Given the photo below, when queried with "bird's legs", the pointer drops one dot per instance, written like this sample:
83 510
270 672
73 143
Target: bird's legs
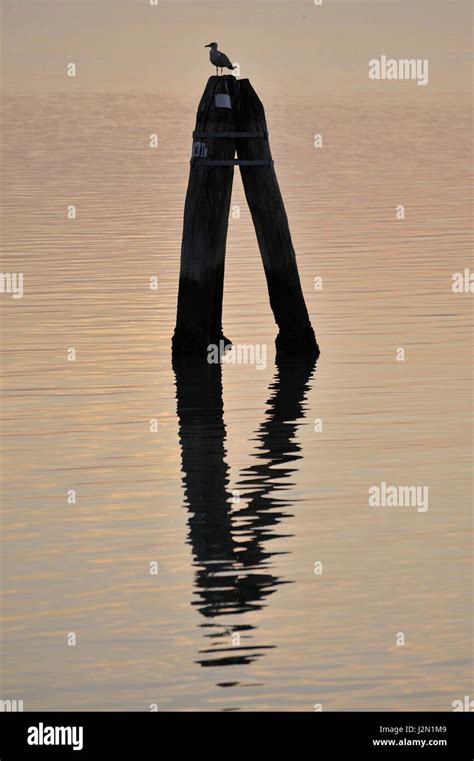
217 71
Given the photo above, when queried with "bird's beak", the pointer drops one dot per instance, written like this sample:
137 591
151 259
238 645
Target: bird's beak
207 46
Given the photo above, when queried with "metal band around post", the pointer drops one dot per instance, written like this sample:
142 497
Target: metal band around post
231 134
231 162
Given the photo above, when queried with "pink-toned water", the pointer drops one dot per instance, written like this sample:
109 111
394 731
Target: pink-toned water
230 567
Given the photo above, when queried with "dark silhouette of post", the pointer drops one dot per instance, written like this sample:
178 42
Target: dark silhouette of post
206 218
296 336
231 118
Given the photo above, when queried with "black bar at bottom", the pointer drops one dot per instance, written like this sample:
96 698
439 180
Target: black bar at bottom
149 735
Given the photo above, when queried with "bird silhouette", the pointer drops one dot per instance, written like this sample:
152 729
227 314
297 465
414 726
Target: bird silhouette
218 59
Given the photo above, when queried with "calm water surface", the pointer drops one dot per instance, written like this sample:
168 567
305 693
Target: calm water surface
237 494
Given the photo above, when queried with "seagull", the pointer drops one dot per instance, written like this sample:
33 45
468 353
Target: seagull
218 59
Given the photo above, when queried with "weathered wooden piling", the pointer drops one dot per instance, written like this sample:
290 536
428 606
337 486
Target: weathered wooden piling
206 217
296 336
231 118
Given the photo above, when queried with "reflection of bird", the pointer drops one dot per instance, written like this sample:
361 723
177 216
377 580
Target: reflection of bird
218 59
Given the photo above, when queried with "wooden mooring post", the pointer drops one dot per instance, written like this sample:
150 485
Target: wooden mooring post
231 119
206 218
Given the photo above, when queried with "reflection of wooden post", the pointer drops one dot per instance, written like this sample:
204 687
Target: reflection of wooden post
206 218
296 336
205 478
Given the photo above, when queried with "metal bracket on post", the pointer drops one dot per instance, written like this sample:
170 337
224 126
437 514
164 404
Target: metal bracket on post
201 160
